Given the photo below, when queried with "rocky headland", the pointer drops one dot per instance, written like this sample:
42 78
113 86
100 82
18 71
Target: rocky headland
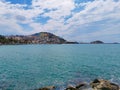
97 84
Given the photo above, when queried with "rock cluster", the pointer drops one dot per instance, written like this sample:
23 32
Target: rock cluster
97 84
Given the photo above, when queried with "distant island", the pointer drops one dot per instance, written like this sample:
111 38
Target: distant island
37 38
97 42
40 38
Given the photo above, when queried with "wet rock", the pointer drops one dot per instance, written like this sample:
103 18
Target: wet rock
71 88
81 86
47 88
96 81
100 84
115 86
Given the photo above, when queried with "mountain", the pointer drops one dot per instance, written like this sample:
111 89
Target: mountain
37 38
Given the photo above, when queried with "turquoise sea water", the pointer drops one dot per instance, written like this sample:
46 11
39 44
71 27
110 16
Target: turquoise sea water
25 67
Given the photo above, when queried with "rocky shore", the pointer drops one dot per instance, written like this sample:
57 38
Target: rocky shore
97 84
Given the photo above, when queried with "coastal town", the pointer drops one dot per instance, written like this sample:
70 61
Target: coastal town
38 38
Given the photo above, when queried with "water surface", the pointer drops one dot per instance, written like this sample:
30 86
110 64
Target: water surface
24 67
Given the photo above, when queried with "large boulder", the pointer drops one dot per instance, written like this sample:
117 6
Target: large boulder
100 84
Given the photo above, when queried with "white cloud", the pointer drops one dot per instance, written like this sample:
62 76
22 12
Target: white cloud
19 14
62 8
95 11
57 10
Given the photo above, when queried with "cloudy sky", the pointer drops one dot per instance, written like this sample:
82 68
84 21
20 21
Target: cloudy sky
78 20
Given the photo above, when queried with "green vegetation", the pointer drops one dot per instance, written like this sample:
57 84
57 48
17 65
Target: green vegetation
4 40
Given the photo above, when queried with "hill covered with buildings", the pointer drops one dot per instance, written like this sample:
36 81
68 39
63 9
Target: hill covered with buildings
37 38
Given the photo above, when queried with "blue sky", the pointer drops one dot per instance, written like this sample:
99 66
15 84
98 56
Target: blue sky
74 20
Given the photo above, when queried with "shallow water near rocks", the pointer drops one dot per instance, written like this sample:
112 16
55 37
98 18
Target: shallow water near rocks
25 67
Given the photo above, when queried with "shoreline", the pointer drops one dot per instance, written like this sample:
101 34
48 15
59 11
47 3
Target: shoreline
59 44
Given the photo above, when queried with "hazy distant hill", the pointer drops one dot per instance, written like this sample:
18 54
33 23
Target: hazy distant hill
97 42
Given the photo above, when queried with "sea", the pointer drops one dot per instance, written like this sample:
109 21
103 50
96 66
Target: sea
28 67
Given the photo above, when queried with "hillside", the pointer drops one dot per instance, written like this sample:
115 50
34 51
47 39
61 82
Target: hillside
37 38
49 38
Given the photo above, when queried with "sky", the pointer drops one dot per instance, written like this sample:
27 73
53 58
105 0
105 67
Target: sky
74 20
